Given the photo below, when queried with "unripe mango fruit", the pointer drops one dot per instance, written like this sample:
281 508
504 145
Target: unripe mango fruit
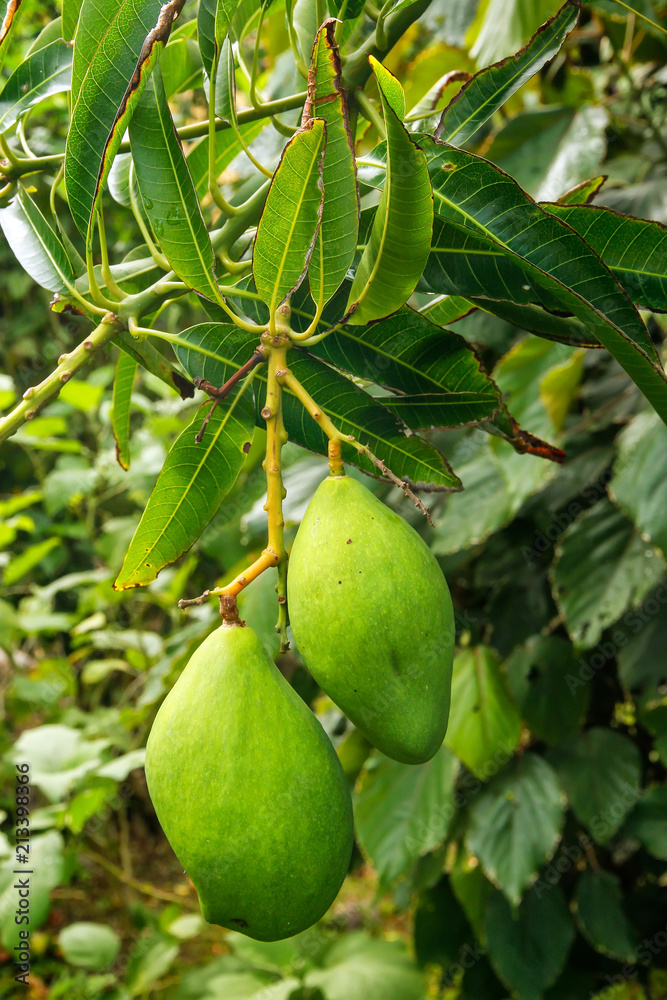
249 791
372 617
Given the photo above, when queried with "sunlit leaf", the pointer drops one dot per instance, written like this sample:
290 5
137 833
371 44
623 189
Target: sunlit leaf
45 72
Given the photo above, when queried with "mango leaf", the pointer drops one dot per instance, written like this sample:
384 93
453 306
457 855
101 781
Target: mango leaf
225 84
71 10
291 217
445 309
501 26
193 482
583 193
213 24
35 245
515 823
47 71
440 380
484 724
115 50
167 191
402 811
126 369
553 257
225 349
400 240
602 568
529 948
600 917
337 238
180 66
600 771
9 19
488 90
634 250
639 484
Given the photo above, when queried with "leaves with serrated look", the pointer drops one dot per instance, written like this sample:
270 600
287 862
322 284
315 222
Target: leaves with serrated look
400 239
291 217
168 193
115 50
191 486
337 238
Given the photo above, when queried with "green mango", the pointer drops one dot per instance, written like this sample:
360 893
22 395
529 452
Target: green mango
372 617
249 791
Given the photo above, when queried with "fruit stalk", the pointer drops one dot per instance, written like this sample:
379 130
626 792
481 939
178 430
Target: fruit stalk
336 437
276 436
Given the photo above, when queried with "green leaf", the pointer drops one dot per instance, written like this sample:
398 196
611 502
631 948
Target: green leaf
440 926
193 482
484 725
36 246
168 193
352 410
213 24
337 237
640 646
9 19
400 240
647 822
599 913
180 66
149 358
403 811
445 309
290 221
635 250
529 948
537 675
89 945
71 10
358 967
47 71
600 771
583 193
114 53
639 484
488 90
472 889
515 823
602 568
25 561
440 379
502 26
552 256
126 369
59 757
48 865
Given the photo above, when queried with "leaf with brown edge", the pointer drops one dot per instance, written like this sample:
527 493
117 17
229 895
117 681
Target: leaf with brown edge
8 20
114 54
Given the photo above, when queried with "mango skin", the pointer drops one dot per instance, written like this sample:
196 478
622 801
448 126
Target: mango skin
249 791
372 617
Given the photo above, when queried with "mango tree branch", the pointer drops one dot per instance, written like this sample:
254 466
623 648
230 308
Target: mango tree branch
357 68
37 396
217 394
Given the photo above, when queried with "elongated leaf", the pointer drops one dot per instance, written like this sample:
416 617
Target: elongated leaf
446 309
634 250
436 371
227 148
225 84
213 24
115 50
553 257
180 65
398 248
515 823
168 193
291 218
352 410
47 71
126 369
337 237
583 193
35 245
488 90
9 18
193 482
71 10
143 352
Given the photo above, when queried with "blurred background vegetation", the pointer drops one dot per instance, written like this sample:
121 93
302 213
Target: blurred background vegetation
528 858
